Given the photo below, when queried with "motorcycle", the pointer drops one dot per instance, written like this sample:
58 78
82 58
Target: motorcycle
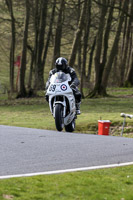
62 101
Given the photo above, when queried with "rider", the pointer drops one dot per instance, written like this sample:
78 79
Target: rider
61 64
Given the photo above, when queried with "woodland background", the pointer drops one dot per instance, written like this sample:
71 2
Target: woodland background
95 36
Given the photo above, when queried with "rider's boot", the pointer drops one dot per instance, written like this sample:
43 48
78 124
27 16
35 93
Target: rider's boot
78 108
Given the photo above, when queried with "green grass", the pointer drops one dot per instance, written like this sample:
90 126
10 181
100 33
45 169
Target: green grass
35 113
110 184
32 116
120 91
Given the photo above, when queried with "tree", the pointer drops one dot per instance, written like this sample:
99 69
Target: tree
49 33
85 42
13 40
113 52
91 60
125 49
40 33
99 65
99 32
77 37
129 81
22 89
129 78
58 33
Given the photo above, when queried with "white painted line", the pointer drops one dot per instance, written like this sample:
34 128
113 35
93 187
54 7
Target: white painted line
66 170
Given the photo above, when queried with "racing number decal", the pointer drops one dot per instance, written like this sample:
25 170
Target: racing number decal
52 88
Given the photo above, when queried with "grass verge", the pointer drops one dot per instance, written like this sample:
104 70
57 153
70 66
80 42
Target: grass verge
111 184
35 113
104 184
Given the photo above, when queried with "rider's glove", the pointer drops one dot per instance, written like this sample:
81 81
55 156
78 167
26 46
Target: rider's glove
73 87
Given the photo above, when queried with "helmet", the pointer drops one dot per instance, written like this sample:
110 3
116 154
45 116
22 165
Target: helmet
61 64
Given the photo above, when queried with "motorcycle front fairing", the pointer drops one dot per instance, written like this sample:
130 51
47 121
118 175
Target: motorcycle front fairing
59 92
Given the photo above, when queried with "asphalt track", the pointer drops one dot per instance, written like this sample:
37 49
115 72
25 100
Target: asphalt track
34 151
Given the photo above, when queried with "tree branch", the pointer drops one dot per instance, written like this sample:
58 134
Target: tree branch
115 7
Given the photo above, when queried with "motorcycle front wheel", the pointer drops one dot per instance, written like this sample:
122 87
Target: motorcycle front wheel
59 117
70 127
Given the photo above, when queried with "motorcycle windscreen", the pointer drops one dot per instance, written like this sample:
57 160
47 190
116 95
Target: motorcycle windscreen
59 77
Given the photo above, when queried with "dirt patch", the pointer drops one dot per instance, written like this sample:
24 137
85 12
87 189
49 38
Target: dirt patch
6 196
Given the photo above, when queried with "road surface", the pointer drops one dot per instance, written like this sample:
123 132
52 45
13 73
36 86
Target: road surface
26 150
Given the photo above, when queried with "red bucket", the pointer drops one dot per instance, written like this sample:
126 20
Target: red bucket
103 127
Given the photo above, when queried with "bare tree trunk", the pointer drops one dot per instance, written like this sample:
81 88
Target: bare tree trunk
58 34
77 36
129 81
99 66
90 59
79 57
49 33
31 69
36 44
22 90
86 34
85 40
31 72
129 56
113 52
12 49
126 47
80 45
39 68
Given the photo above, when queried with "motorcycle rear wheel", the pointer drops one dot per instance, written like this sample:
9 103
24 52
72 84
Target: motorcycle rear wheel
59 117
70 127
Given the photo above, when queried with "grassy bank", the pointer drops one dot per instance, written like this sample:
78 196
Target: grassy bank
104 184
35 113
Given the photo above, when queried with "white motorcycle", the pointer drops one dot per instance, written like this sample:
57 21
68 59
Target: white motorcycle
62 101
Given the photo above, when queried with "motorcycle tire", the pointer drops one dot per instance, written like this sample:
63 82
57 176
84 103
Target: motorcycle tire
58 117
70 127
